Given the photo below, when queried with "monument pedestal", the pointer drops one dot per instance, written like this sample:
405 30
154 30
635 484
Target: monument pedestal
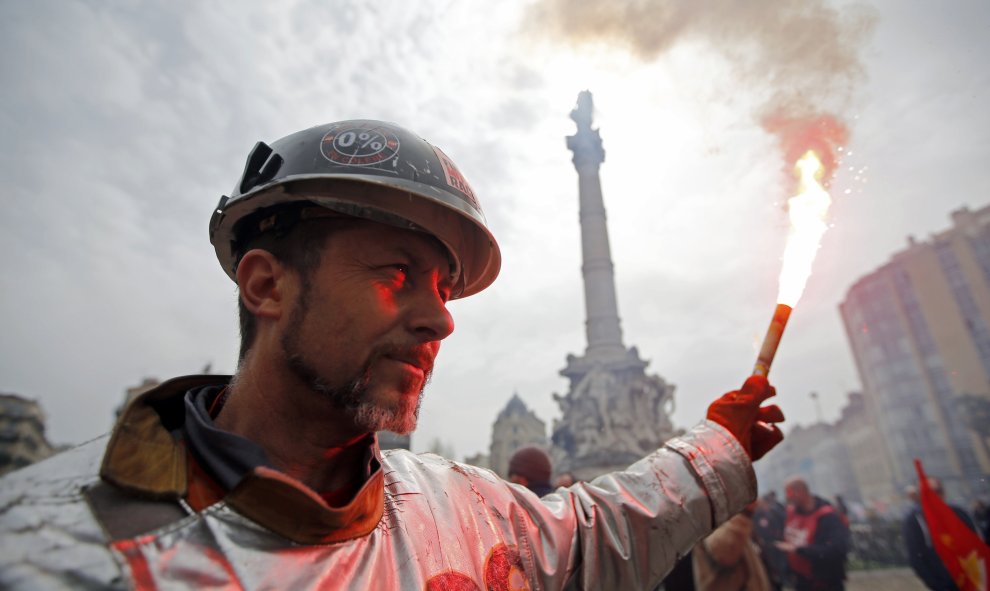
613 415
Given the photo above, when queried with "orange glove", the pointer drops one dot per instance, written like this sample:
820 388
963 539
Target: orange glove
740 412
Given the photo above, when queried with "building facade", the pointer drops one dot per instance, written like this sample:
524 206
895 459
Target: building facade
516 426
846 458
868 457
919 329
22 433
816 453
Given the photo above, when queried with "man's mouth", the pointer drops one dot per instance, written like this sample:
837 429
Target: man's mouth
418 359
408 364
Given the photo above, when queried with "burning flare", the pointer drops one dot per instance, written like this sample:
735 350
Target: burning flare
807 211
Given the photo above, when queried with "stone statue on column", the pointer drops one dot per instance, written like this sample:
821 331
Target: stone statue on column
613 413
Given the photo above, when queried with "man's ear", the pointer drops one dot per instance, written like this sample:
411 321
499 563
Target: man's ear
261 280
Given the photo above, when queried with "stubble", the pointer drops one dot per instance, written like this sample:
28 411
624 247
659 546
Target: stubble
351 397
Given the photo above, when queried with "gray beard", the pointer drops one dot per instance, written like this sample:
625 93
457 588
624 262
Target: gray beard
352 396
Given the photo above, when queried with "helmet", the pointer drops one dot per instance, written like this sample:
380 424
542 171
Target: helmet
361 168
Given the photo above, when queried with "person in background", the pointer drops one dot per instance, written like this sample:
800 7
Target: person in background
922 557
981 518
566 479
769 519
728 559
681 577
530 466
816 540
843 510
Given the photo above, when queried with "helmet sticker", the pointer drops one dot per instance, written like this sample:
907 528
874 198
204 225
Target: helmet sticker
454 177
359 144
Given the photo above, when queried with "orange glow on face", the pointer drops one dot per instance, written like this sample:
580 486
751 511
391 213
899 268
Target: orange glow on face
807 212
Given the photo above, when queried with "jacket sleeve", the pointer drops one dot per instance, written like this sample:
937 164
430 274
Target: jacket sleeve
626 530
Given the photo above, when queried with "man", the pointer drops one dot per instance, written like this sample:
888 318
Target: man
530 466
769 521
922 556
346 242
815 539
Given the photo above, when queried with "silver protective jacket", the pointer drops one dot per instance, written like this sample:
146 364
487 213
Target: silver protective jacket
420 522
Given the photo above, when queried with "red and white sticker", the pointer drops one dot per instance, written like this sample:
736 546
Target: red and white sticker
454 177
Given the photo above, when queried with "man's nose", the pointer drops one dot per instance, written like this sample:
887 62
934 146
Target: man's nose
429 317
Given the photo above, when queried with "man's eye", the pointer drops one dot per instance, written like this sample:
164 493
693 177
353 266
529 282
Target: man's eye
399 271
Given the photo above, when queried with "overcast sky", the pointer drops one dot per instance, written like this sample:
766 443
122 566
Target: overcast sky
123 122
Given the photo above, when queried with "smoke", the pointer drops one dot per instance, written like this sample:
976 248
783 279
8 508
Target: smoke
801 55
796 135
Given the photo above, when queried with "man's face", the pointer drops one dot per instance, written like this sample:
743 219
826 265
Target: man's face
797 495
367 324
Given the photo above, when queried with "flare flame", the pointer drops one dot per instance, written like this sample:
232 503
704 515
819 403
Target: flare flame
807 211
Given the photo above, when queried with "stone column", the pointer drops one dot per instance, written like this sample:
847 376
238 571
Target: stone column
602 324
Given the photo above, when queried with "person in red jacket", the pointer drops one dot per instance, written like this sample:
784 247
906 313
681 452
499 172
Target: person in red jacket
816 540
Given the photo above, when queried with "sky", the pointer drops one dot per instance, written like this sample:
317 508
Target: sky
125 121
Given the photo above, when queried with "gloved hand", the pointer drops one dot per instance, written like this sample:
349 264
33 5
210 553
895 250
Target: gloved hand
740 412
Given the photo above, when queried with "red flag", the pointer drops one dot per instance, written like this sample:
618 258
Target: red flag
964 555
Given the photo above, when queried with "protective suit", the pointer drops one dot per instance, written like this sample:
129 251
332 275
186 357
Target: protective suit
115 513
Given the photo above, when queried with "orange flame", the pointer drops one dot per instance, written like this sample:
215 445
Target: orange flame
807 212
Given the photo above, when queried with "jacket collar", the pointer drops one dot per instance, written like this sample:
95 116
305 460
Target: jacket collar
143 457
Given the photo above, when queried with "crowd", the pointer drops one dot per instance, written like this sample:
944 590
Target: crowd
806 544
